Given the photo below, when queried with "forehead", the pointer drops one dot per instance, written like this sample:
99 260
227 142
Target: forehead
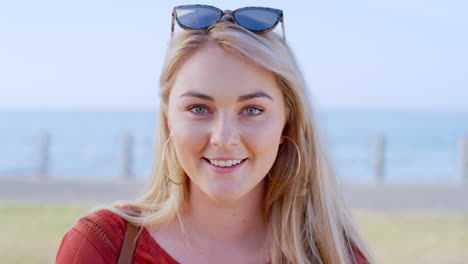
222 74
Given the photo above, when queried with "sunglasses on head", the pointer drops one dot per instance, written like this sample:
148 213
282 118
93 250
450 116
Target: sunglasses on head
253 18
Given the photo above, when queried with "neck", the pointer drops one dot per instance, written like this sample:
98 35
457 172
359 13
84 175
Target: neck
238 222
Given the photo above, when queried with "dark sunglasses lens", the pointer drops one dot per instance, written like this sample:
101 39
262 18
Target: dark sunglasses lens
197 17
256 19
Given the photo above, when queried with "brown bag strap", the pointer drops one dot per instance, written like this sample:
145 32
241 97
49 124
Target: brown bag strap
128 245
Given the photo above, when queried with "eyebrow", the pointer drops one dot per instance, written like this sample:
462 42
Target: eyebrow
240 99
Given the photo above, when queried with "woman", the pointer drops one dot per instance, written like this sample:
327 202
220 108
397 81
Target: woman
240 176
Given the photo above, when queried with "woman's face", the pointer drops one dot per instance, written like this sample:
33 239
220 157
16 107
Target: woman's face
224 110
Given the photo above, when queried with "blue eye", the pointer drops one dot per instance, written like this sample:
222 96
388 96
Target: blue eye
197 109
253 110
201 110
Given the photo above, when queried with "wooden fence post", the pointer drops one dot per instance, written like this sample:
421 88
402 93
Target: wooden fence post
127 156
44 160
463 159
379 159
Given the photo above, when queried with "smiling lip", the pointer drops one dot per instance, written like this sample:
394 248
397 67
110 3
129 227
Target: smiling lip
222 158
225 169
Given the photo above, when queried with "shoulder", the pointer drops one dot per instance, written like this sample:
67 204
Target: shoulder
97 235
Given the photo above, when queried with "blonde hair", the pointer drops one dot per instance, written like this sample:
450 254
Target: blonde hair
307 219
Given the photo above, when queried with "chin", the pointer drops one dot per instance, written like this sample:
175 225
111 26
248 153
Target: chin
224 190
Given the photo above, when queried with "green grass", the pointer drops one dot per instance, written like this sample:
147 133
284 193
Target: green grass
32 233
416 237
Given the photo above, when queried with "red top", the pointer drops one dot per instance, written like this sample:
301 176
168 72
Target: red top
97 238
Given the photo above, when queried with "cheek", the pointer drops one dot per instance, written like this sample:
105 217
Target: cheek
189 139
186 132
263 140
268 129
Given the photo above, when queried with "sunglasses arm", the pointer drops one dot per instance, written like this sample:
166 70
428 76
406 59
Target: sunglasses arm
172 24
282 27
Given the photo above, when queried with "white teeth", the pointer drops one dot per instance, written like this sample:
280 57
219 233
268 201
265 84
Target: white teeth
225 163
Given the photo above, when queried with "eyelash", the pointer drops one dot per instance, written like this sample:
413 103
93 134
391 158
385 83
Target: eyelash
192 107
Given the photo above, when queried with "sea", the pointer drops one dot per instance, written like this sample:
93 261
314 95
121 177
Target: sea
420 146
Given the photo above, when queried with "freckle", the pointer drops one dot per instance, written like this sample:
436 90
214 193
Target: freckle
243 220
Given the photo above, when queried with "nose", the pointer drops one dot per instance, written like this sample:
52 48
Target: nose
225 132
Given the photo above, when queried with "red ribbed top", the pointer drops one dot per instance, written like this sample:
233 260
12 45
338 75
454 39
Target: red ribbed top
97 238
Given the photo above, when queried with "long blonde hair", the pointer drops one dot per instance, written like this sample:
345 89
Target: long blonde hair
307 219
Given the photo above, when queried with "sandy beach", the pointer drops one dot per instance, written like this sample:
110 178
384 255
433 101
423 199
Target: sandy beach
385 197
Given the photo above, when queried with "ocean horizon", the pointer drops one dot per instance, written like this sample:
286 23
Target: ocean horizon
420 146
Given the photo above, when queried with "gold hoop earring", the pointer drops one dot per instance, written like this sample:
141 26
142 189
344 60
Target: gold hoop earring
163 158
298 165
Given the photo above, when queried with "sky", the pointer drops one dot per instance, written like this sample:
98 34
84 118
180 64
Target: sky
356 54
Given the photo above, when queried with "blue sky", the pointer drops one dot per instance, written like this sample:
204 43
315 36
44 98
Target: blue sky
357 54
